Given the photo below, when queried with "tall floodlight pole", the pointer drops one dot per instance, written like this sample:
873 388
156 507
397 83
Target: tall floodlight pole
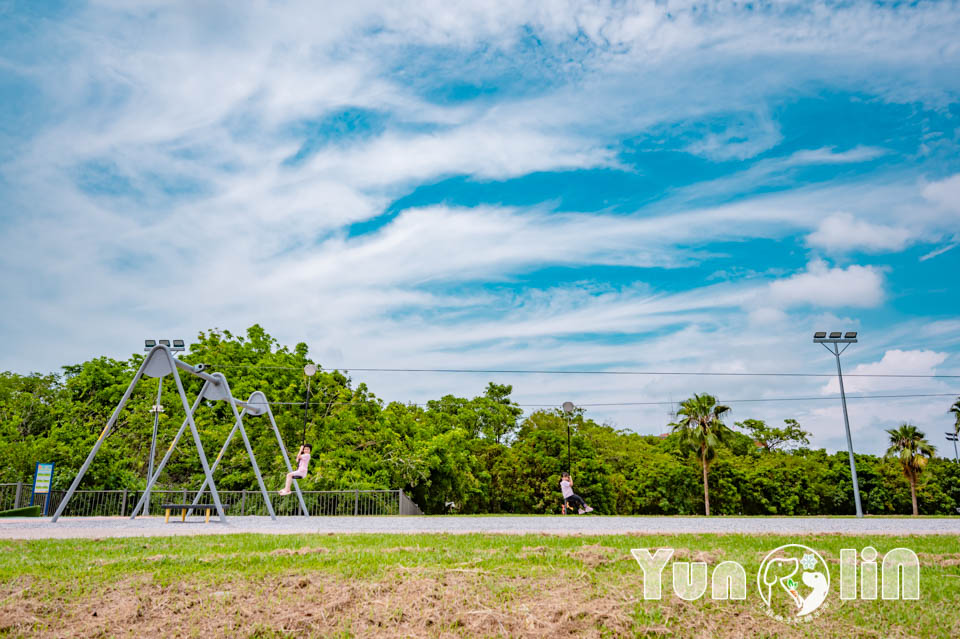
832 344
952 437
156 409
568 411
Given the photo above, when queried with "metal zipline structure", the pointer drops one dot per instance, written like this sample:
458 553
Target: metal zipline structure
159 363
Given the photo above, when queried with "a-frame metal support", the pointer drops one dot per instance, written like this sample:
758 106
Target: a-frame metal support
255 406
216 389
159 362
259 398
222 392
141 504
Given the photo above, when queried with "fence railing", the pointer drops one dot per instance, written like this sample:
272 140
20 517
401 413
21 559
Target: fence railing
113 503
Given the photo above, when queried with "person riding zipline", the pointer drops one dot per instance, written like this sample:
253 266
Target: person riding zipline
570 498
303 458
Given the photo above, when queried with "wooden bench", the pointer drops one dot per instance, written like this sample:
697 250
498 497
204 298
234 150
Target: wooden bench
183 508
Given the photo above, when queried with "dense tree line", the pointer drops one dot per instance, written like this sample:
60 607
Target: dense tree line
480 453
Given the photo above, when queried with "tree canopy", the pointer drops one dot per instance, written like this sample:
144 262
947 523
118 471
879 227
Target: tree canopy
480 454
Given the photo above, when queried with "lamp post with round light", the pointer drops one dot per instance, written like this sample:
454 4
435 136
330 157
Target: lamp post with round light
309 370
148 345
568 411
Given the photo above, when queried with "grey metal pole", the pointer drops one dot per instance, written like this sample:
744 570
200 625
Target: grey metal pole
216 462
253 462
153 441
100 440
846 424
567 412
306 413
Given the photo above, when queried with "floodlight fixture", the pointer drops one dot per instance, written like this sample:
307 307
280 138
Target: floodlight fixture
836 337
177 345
952 437
310 370
568 407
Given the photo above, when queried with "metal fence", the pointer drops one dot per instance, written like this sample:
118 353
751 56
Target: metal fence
14 495
113 503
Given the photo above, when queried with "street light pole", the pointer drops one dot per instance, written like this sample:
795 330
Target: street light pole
834 340
309 370
568 410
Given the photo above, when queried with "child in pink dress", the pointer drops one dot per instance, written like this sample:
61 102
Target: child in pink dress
303 458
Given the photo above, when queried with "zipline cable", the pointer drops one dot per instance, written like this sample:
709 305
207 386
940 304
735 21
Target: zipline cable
589 372
663 403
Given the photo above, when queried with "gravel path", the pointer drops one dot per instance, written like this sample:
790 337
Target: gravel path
95 527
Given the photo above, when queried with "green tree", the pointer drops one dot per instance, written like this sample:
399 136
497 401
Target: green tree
701 429
466 451
910 446
955 409
771 438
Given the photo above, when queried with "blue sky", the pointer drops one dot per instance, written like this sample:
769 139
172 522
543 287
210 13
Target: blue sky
544 185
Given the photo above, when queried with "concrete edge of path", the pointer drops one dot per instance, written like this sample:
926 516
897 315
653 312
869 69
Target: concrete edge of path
118 527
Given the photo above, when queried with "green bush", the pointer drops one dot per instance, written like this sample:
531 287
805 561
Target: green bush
26 511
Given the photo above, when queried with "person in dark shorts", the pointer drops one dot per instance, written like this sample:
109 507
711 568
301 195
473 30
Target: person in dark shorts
571 499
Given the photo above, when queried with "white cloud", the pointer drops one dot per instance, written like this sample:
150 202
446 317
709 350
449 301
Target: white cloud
743 137
893 362
938 251
821 285
826 155
945 193
214 92
843 232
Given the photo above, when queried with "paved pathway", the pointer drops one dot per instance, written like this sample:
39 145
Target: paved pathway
94 527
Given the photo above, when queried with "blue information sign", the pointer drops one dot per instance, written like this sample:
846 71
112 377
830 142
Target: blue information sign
42 479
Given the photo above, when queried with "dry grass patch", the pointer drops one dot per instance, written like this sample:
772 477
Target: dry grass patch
455 602
279 552
594 555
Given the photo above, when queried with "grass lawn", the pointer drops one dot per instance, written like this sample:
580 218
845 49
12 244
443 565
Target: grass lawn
431 585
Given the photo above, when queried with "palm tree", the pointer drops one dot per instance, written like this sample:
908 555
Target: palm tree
913 450
701 428
955 409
